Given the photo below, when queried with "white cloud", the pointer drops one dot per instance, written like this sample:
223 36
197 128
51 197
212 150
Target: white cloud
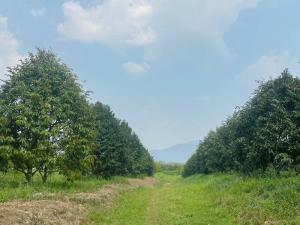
38 12
204 17
143 38
135 68
140 22
8 48
200 22
112 21
172 31
268 66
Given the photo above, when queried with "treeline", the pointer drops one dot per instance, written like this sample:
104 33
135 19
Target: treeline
263 134
48 125
120 151
168 168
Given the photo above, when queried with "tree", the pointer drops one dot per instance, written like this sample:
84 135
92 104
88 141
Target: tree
191 166
119 150
44 110
283 162
5 141
264 132
78 157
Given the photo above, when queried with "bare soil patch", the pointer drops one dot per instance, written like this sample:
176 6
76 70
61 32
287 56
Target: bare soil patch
64 210
104 197
40 212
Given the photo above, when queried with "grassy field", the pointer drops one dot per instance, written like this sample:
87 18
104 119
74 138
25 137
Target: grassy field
215 199
13 186
219 199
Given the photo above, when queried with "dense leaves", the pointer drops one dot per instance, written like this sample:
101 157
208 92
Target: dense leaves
43 109
119 151
264 132
47 125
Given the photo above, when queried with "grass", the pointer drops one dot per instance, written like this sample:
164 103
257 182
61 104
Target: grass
13 186
219 199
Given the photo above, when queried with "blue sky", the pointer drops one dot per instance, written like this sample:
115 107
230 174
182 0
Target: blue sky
173 69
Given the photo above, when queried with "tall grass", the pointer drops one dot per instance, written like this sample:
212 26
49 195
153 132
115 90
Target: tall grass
13 185
255 200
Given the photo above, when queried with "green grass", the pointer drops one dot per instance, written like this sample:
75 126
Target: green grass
219 199
13 186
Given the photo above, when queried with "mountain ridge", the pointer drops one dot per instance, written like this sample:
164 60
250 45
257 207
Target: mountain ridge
178 153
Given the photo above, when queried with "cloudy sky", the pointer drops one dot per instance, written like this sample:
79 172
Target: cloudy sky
173 69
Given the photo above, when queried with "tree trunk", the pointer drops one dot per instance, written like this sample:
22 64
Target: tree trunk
28 175
45 174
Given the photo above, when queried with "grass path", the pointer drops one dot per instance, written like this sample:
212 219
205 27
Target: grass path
172 202
219 199
153 212
216 199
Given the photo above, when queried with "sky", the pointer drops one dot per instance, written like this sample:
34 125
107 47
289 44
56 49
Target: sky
173 69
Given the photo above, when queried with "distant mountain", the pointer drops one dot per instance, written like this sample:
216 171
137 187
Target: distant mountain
177 154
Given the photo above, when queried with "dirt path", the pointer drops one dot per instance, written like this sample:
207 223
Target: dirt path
153 214
64 210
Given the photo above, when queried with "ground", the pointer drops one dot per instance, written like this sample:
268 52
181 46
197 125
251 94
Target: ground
65 208
167 199
220 199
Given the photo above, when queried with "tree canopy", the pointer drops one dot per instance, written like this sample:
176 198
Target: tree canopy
119 151
264 132
47 124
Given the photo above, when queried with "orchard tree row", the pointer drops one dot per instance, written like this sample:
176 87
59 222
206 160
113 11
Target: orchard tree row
47 125
263 134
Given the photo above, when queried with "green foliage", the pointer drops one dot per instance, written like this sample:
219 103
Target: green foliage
5 147
297 164
48 125
283 162
45 116
119 150
191 166
78 158
4 161
266 130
